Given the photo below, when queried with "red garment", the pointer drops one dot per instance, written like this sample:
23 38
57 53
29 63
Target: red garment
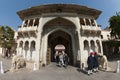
91 53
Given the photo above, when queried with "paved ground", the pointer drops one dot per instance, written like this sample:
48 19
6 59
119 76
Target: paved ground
52 72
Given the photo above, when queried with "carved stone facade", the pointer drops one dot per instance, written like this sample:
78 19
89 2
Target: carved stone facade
46 26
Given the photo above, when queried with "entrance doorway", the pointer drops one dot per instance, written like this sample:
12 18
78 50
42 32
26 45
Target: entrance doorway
63 38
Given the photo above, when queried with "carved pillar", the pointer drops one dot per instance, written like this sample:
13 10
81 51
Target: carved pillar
96 47
101 46
80 42
33 22
84 21
29 51
74 49
28 23
90 49
81 49
23 24
38 45
90 22
18 47
45 49
95 23
24 50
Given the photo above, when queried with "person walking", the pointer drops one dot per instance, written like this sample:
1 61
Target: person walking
66 60
7 53
61 62
90 62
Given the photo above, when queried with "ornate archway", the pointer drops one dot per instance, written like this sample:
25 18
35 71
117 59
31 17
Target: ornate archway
59 31
60 37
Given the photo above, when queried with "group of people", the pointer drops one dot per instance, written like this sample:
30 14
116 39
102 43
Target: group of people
92 62
61 58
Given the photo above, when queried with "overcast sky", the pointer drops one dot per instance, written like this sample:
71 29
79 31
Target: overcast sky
8 9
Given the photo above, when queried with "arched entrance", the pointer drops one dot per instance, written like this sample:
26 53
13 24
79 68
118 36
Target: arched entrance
63 38
59 31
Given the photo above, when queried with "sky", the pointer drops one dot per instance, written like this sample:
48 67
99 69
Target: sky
8 9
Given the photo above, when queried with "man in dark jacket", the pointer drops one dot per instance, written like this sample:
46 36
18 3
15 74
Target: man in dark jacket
90 62
96 64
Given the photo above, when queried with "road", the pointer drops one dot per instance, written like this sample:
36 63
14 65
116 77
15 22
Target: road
52 72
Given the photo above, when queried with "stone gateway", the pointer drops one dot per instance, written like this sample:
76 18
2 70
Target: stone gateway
46 26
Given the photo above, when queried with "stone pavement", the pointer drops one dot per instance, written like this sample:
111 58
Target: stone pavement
52 72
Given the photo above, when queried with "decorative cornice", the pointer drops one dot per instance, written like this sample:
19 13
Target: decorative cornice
58 8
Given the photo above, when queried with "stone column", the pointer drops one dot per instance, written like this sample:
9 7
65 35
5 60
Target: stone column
101 46
23 24
28 23
80 42
38 45
96 47
33 22
90 22
45 49
28 51
74 49
18 48
95 23
24 50
84 21
90 49
41 50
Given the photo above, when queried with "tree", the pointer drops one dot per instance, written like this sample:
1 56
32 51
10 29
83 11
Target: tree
115 25
6 37
115 33
2 35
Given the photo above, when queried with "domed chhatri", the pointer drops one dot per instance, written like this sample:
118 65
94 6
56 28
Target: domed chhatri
46 26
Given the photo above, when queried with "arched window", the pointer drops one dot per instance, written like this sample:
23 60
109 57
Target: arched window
92 22
31 22
36 22
25 23
108 36
85 53
32 50
21 44
26 47
82 21
101 36
33 44
20 48
87 22
92 43
86 45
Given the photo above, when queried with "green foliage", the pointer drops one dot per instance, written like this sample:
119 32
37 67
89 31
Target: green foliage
115 26
6 36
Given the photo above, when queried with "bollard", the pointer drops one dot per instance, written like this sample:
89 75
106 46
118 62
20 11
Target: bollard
2 71
118 66
35 67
